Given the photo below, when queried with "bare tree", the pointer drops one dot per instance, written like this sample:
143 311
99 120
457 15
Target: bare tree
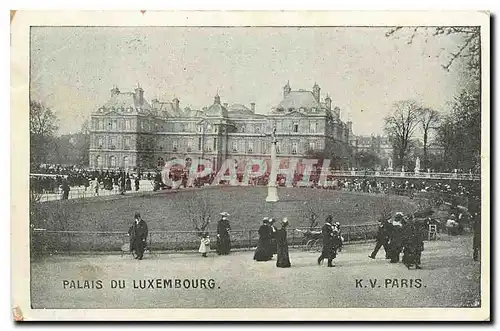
199 210
385 210
401 125
310 212
429 118
43 126
468 48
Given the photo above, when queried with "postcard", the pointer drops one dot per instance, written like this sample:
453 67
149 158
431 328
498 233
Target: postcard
250 166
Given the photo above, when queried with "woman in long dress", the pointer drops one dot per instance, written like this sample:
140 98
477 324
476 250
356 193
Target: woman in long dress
264 251
283 260
223 239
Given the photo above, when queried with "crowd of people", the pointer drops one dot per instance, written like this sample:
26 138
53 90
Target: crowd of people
401 234
56 179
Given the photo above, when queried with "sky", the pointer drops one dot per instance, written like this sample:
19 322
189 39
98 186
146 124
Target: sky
73 69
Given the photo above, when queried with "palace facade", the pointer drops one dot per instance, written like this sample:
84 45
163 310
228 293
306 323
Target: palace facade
129 132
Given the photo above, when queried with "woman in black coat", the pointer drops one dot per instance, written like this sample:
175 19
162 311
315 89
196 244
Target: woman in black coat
264 251
283 260
223 239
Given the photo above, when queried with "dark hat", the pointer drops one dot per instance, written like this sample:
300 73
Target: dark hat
137 215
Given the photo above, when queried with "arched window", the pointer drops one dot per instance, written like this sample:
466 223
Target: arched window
112 162
98 161
126 162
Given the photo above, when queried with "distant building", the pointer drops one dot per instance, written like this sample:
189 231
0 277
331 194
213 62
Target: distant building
129 132
378 145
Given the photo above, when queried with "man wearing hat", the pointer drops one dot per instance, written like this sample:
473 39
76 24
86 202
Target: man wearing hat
263 251
138 233
328 251
223 239
383 234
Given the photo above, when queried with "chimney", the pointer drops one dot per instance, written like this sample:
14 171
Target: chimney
176 103
155 103
139 96
328 102
337 111
252 107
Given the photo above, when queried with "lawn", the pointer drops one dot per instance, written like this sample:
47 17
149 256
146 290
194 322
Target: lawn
171 211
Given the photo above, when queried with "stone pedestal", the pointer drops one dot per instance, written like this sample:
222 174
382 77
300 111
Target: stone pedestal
272 188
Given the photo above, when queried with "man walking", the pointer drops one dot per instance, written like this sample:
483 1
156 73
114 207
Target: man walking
382 239
328 251
138 233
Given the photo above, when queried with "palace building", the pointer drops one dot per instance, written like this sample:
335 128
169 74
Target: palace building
128 132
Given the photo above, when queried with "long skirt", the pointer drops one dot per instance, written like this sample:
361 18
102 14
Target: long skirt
223 244
283 260
263 251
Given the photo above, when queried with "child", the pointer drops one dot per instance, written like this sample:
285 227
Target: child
204 244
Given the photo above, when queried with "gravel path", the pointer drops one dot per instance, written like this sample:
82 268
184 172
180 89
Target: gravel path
449 278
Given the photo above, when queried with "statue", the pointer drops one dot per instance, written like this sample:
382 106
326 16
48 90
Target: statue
272 190
417 165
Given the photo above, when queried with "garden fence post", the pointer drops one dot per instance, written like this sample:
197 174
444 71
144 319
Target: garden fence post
249 239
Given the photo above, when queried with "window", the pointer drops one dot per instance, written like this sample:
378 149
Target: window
314 109
100 142
112 142
295 127
312 145
98 161
242 129
101 124
126 162
294 148
112 162
199 143
189 145
175 145
278 147
126 142
250 147
114 125
215 144
257 129
313 127
235 146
